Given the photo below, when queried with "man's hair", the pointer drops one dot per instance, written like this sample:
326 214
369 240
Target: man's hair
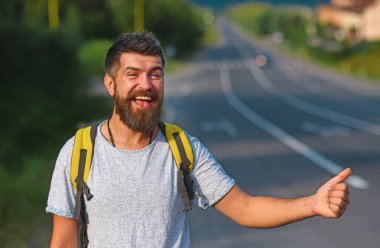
144 43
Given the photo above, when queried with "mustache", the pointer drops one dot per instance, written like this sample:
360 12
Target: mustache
145 93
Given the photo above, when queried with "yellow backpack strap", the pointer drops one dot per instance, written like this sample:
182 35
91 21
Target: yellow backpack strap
83 143
184 158
81 161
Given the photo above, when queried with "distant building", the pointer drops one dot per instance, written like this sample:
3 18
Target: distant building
354 20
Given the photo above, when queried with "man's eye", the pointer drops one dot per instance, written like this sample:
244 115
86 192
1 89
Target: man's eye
156 76
132 74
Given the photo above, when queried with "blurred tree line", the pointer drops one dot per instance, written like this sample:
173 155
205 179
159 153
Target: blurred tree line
264 20
44 84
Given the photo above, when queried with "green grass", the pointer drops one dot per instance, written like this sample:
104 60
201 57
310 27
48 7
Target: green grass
363 64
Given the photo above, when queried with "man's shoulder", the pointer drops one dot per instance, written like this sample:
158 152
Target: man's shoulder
67 148
64 156
195 142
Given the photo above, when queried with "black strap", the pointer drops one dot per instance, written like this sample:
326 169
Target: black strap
185 186
185 166
161 125
80 206
94 130
83 189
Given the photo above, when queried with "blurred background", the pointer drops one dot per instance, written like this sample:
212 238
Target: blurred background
51 68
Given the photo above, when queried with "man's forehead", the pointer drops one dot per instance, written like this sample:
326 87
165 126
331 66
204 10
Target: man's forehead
135 59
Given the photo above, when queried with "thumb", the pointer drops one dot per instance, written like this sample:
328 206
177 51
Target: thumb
343 175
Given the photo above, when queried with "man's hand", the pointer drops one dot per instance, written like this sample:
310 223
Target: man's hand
331 199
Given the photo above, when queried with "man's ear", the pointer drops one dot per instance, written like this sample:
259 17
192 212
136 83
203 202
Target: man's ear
109 83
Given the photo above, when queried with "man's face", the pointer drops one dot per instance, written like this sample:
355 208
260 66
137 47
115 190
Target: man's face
139 91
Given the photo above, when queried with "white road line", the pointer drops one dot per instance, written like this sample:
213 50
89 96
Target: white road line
314 109
329 131
308 107
330 166
302 105
221 125
185 89
264 82
299 80
332 115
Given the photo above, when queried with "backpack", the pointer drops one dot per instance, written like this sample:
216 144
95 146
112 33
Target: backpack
81 161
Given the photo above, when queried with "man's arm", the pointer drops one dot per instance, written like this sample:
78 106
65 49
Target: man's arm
329 201
65 232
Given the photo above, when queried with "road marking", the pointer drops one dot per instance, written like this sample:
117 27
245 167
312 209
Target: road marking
305 83
222 125
333 115
320 160
296 102
325 131
314 109
300 80
185 89
224 64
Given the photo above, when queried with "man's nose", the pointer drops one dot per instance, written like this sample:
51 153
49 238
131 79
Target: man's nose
145 82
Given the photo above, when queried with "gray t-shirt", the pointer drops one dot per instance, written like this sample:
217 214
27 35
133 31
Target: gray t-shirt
136 200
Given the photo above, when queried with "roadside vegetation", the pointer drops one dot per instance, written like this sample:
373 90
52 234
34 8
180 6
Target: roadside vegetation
45 74
297 30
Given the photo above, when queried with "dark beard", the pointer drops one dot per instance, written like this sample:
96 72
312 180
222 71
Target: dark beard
141 120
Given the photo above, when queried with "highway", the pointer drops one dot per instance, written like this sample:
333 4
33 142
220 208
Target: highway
280 130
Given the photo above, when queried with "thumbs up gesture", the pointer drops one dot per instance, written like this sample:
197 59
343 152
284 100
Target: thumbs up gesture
331 199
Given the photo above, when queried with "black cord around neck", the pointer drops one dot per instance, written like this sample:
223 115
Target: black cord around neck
109 132
111 136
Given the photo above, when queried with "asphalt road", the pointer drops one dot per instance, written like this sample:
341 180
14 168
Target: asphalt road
281 130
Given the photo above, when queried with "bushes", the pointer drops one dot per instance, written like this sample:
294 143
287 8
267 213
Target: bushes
248 15
41 101
263 19
92 55
179 25
41 84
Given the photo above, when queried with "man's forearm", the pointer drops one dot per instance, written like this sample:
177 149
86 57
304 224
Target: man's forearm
65 233
264 212
267 212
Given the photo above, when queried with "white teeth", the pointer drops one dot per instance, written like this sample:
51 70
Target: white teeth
143 98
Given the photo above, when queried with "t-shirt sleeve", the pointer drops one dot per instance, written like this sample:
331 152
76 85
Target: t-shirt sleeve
211 182
61 199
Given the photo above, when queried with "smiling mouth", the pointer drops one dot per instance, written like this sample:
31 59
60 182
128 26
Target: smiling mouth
143 102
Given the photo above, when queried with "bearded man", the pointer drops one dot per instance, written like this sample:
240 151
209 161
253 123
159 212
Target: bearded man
134 179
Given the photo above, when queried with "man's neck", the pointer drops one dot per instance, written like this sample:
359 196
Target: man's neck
123 137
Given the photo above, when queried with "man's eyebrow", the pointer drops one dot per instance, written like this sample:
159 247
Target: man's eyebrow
131 68
137 69
157 68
